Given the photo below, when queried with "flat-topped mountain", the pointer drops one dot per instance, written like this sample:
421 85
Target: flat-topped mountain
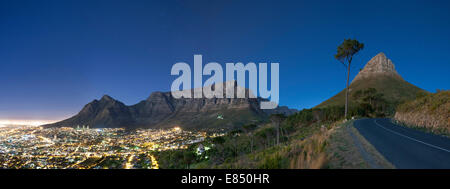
161 109
378 73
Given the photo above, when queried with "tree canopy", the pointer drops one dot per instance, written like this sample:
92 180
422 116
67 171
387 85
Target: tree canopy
347 49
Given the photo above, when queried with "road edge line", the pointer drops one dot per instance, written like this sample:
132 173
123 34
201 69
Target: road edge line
397 133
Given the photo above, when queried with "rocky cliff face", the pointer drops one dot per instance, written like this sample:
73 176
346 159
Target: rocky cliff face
379 65
379 73
161 109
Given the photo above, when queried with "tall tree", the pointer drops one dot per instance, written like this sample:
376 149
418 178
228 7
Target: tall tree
248 129
276 120
188 157
345 53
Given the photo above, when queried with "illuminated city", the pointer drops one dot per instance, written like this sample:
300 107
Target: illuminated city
31 147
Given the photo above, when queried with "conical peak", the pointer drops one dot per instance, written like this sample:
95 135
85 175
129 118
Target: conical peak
106 98
378 65
381 54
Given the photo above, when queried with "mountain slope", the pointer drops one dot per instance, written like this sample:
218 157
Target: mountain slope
431 112
161 109
378 73
106 112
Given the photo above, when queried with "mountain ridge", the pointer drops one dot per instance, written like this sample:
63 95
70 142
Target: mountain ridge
161 109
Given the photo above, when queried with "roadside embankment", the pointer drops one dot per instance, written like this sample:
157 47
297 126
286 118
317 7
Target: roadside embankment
429 112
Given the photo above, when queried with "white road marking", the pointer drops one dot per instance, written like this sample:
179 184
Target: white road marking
437 147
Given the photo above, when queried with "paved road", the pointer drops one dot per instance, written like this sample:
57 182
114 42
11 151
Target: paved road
404 147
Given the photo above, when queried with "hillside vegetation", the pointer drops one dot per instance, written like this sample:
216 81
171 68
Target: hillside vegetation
394 90
311 138
428 111
320 137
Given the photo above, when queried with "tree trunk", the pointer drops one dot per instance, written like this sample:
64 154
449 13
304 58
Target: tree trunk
235 149
278 132
346 91
251 144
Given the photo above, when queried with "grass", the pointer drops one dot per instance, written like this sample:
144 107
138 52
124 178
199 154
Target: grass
312 146
349 150
428 113
306 149
395 90
308 141
312 154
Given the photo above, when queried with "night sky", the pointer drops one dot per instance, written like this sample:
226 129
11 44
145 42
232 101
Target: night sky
56 56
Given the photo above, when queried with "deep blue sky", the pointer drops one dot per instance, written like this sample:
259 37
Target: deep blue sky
56 56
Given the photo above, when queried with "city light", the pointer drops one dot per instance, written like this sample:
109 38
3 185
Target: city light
25 147
4 123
